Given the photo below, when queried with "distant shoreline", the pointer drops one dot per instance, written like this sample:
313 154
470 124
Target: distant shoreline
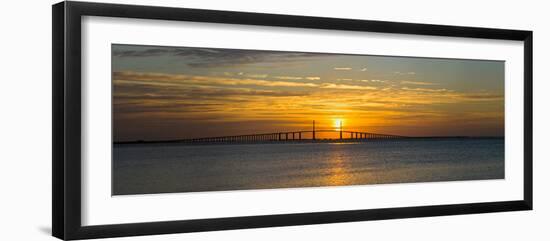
186 142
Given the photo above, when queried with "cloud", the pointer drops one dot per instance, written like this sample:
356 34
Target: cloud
150 82
261 76
147 52
178 82
313 78
406 82
177 99
404 73
371 81
363 69
195 93
288 77
377 80
213 57
425 89
185 80
346 87
342 68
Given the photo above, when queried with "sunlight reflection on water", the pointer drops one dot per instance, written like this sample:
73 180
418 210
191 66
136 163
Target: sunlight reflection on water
191 168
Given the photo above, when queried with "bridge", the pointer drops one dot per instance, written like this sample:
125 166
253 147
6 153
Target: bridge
305 135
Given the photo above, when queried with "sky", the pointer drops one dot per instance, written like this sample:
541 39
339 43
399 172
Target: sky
166 93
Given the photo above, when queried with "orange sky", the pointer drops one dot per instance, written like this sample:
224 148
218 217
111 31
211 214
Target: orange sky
162 93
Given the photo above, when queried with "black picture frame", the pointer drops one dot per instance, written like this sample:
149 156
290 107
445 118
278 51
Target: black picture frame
66 168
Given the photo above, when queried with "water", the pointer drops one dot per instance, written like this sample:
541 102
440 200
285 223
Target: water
163 168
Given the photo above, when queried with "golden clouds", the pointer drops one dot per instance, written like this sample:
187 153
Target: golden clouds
346 87
342 68
407 82
293 100
186 80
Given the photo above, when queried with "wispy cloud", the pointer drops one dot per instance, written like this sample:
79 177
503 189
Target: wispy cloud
313 78
404 73
180 98
425 89
261 76
347 87
406 82
212 57
178 79
288 77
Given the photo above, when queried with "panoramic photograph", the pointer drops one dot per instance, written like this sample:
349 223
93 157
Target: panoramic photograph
196 119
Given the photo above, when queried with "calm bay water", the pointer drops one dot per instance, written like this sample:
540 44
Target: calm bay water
162 168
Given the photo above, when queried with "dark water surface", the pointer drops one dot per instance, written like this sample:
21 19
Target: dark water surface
162 168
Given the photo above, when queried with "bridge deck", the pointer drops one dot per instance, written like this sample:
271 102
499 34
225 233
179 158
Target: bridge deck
292 136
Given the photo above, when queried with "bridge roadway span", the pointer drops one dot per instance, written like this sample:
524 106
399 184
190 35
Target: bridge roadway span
292 136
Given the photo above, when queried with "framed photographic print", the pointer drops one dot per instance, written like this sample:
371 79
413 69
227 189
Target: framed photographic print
170 120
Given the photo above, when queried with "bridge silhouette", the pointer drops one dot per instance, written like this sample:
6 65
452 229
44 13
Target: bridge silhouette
304 135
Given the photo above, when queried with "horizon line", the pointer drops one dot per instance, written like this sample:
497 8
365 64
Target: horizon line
305 140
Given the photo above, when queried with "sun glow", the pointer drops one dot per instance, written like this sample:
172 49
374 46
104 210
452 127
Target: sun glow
338 123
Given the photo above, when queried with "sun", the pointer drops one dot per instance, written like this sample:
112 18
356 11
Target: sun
338 123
